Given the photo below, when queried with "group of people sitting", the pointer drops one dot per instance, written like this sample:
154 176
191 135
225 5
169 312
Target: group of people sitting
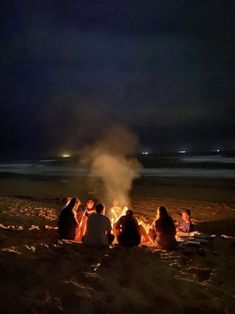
90 225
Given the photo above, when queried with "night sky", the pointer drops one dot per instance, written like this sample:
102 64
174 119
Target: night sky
71 68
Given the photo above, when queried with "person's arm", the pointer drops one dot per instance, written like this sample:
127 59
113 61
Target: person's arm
186 227
114 213
143 233
183 226
153 223
152 231
90 211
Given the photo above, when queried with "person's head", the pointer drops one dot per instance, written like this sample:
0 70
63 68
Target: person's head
90 204
115 203
99 208
186 215
129 213
164 222
162 213
66 200
73 204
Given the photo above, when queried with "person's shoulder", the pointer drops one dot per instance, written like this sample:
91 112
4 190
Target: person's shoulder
105 218
121 219
91 216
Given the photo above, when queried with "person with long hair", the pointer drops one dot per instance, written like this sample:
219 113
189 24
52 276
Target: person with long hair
163 230
81 217
67 223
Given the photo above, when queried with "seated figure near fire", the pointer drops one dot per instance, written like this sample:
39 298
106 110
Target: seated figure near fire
184 223
81 217
87 209
67 223
163 230
90 207
115 210
98 229
127 230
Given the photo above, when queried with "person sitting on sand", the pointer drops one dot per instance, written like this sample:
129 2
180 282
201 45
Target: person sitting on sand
98 229
143 226
115 210
163 230
67 223
184 223
127 230
90 207
81 217
85 210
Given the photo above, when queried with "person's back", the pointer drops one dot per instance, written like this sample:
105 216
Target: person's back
67 223
98 229
129 234
165 230
165 235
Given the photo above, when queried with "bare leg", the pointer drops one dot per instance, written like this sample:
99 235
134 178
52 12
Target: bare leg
81 229
115 232
144 235
152 235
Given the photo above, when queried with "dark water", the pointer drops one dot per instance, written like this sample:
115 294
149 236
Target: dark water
202 177
200 166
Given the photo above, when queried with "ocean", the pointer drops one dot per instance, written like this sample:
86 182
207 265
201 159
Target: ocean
199 177
193 166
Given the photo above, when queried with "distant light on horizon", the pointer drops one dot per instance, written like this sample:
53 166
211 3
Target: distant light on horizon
145 153
65 155
216 150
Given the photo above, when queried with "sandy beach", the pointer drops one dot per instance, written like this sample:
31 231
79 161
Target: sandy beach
128 104
41 274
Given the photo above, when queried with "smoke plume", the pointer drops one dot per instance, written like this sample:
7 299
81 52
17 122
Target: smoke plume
113 165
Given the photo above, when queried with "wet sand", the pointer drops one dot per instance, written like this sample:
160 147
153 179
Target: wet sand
41 186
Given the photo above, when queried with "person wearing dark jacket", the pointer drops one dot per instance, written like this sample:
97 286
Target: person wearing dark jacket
127 230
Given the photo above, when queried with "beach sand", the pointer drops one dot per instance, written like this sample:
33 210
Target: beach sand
41 274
